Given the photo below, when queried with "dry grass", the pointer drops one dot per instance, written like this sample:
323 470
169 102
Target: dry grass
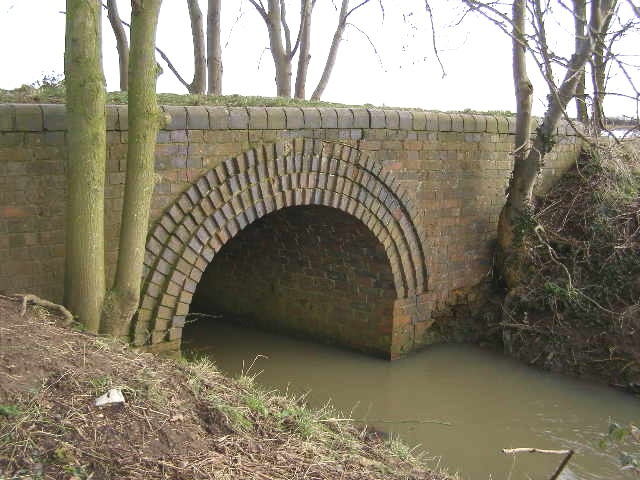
180 420
580 311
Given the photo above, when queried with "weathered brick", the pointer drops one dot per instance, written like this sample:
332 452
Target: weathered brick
7 117
178 117
295 118
276 118
123 117
238 118
28 118
257 117
197 118
55 117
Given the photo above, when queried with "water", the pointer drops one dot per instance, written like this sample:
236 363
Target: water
461 404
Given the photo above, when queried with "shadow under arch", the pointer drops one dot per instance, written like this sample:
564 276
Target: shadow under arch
234 194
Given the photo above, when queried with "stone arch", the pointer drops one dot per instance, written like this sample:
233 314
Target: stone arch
242 189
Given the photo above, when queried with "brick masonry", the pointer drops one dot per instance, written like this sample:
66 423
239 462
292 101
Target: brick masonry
312 271
428 186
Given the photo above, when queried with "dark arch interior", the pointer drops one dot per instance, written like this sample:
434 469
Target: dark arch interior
310 271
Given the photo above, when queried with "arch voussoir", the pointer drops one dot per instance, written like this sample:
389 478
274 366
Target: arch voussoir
243 189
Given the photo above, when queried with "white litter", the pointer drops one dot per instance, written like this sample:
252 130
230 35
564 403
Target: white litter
112 396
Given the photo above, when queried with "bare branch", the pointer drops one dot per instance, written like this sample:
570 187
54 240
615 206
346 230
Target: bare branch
433 37
364 2
260 9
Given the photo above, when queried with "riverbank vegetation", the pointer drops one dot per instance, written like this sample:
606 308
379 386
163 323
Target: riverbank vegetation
180 420
577 309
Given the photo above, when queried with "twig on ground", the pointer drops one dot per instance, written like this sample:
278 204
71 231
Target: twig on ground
568 454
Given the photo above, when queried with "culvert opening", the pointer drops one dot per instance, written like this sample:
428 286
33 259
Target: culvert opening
307 271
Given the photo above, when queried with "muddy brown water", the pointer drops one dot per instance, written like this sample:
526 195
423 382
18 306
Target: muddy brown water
458 404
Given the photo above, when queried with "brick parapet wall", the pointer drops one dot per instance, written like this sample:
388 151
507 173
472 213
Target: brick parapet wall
454 168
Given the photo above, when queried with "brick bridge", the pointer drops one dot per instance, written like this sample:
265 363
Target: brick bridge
348 225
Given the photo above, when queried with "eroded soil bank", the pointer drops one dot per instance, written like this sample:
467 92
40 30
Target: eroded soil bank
180 420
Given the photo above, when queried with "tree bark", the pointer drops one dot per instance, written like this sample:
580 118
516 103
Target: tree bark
122 43
275 23
602 14
528 163
84 287
198 84
580 23
214 48
144 121
333 51
305 47
335 44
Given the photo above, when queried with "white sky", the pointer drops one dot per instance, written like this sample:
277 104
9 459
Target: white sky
476 55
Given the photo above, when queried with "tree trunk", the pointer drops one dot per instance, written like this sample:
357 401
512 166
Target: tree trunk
305 48
214 48
144 121
198 84
122 43
602 13
275 23
528 163
580 23
84 287
281 59
333 51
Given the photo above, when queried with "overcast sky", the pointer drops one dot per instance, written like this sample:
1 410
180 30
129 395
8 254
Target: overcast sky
404 73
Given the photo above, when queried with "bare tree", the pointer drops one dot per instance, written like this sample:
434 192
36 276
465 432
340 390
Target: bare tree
529 153
85 289
214 48
84 286
284 50
198 84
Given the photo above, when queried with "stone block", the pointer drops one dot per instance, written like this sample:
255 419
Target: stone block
55 117
406 120
28 118
345 117
312 117
295 119
10 139
360 118
197 118
329 117
7 117
257 117
123 117
392 119
377 118
432 122
444 122
218 118
276 118
238 118
112 117
457 122
419 120
178 117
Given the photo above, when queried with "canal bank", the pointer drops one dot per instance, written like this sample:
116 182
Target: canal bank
180 420
459 404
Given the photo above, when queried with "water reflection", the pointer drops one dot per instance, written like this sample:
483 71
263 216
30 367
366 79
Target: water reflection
461 403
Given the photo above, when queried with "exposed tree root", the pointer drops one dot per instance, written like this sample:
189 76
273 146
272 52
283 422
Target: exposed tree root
28 298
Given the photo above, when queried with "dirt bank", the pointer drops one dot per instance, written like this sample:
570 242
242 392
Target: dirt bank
180 420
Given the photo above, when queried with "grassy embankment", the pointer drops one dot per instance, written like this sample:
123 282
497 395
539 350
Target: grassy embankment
181 420
579 312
